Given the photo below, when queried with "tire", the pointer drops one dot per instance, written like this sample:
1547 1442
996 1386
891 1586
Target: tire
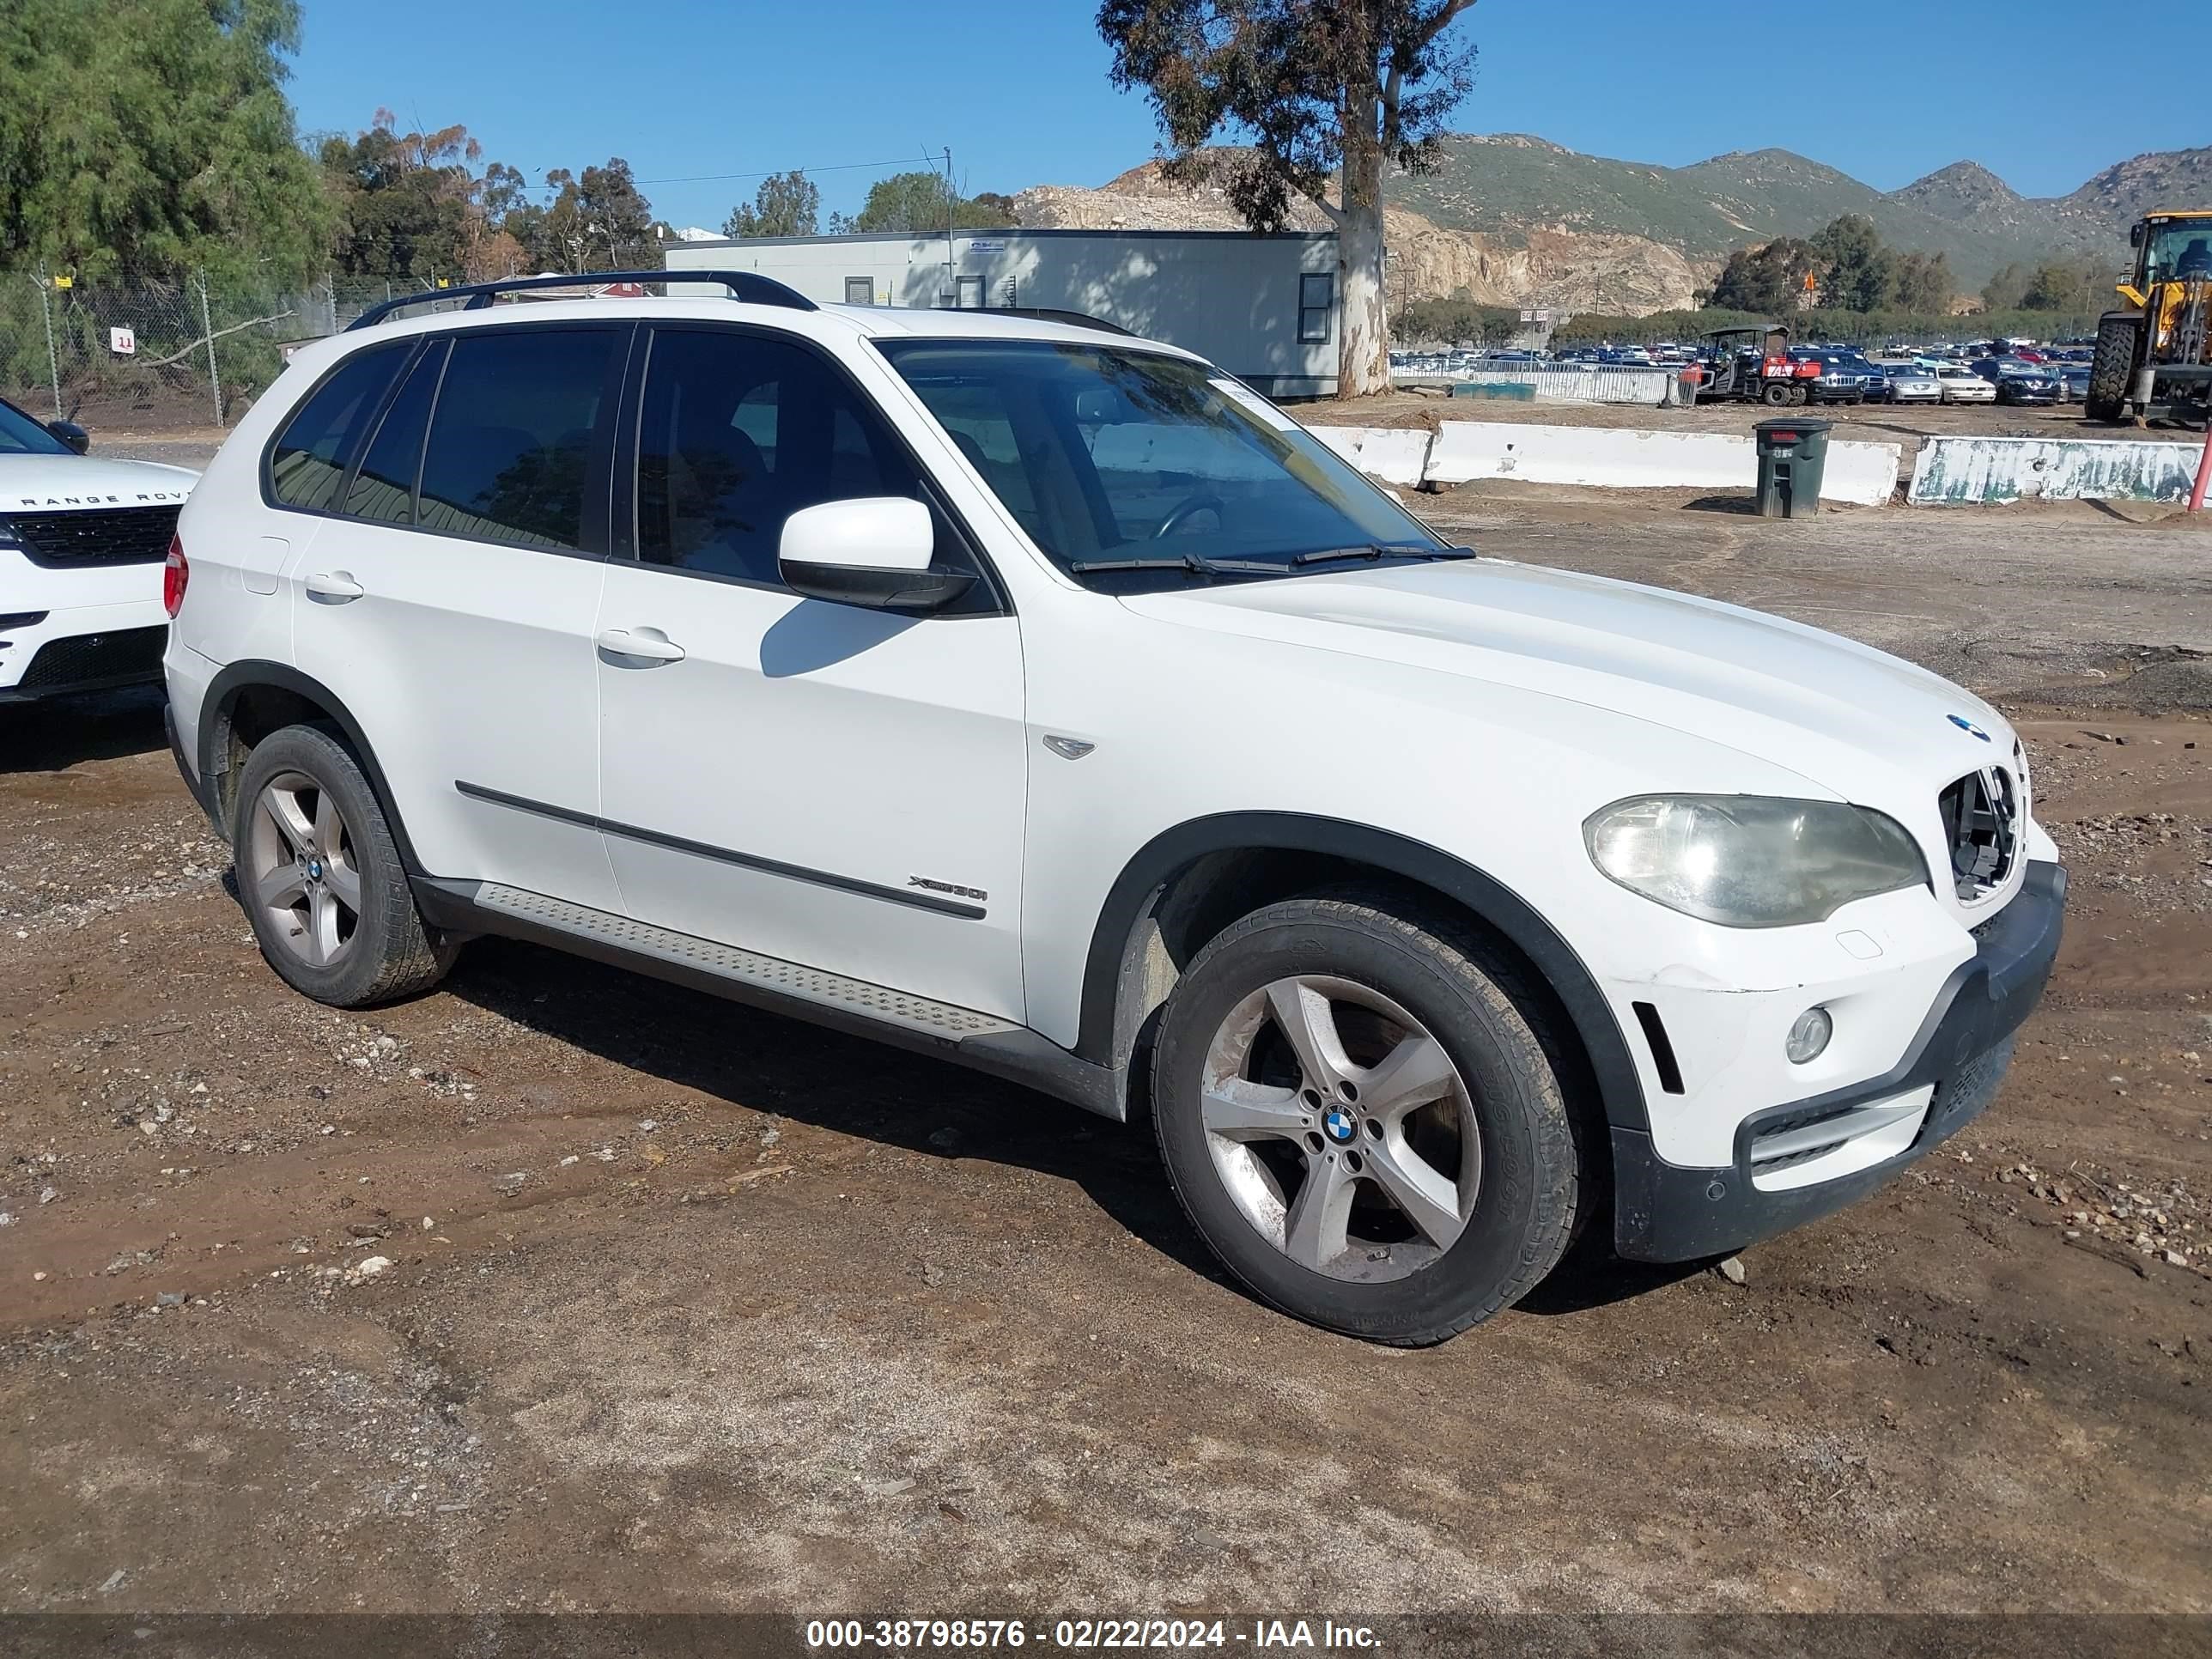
311 848
1775 394
2111 370
1454 1196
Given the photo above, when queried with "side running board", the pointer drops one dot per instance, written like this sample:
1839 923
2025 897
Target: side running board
982 1041
783 979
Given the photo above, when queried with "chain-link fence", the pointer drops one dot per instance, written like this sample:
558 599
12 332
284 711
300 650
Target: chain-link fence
139 353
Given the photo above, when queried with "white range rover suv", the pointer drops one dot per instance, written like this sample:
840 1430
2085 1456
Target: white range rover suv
1045 700
82 542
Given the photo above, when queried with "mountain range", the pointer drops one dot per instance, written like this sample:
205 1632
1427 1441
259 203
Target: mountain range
1519 220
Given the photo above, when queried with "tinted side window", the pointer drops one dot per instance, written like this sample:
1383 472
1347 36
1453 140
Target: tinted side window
383 488
738 432
309 460
518 422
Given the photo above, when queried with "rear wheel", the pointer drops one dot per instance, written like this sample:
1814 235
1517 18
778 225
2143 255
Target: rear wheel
1775 394
2111 369
320 876
1362 1117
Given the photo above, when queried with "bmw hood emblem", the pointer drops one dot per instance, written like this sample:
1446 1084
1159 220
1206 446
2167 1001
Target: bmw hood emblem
1338 1125
1965 725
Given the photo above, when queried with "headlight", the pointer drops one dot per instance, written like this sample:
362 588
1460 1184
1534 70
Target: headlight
1752 860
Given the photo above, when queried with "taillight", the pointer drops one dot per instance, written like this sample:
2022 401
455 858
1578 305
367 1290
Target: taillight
175 573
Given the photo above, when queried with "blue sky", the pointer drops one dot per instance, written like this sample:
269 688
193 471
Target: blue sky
690 87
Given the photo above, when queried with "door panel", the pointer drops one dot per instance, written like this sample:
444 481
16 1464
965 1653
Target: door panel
818 759
467 663
836 786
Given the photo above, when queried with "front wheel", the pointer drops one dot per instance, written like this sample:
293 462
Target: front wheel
321 877
2111 368
1364 1118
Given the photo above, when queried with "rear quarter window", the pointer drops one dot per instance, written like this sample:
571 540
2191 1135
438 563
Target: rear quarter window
307 462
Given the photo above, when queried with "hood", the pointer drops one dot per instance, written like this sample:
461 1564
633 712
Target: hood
1858 723
48 483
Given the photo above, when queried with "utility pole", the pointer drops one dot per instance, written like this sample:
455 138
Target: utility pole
53 363
951 277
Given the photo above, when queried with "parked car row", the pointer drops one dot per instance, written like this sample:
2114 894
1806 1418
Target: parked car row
1986 372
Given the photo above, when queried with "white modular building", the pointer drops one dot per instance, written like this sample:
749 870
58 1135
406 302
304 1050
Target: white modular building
1262 306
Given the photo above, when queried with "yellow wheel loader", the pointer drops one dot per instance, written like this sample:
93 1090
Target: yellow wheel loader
2153 363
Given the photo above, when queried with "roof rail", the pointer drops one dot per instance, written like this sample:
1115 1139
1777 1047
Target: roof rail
1042 314
748 286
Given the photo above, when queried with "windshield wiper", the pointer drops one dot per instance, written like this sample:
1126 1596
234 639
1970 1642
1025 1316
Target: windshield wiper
1189 562
1376 550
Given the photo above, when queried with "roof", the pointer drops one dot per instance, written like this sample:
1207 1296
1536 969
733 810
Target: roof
1003 233
823 322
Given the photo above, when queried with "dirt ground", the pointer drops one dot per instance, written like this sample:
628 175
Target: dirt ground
688 1307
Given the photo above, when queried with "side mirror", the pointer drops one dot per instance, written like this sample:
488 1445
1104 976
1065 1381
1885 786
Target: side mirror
2135 235
71 434
874 551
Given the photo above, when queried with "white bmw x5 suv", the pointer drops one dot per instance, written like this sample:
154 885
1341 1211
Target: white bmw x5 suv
1045 700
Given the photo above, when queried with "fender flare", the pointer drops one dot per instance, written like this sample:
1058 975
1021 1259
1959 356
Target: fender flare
250 673
1133 893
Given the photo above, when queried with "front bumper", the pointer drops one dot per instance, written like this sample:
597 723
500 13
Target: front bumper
87 647
1667 1212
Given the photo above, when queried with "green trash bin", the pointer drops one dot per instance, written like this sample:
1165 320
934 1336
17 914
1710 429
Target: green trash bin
1793 454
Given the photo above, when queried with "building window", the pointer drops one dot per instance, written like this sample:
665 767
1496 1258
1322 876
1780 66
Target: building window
1316 299
860 290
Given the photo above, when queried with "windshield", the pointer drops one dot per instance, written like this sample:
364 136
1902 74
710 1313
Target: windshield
2180 251
1103 453
21 435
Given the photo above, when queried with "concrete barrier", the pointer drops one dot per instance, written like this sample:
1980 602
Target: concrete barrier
1962 472
1861 473
1398 455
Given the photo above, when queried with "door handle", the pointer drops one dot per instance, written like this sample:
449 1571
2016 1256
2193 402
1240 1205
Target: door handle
338 587
649 644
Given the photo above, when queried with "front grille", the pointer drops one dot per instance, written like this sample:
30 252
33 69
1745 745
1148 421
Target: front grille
1981 821
70 541
126 655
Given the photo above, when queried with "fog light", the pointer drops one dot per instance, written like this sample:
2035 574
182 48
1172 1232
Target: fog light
1808 1035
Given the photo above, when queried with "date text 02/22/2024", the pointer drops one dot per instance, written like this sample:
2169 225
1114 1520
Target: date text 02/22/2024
1259 1635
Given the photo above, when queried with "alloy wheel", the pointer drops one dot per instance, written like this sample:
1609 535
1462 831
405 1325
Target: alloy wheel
301 872
1341 1128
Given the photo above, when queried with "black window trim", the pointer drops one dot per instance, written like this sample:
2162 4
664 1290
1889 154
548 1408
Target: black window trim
596 531
628 438
374 429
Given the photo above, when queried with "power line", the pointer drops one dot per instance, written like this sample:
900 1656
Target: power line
843 166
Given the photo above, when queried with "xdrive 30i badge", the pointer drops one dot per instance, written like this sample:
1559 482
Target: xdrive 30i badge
953 887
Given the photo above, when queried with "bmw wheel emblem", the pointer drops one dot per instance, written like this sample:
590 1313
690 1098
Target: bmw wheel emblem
1339 1125
314 869
1965 725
